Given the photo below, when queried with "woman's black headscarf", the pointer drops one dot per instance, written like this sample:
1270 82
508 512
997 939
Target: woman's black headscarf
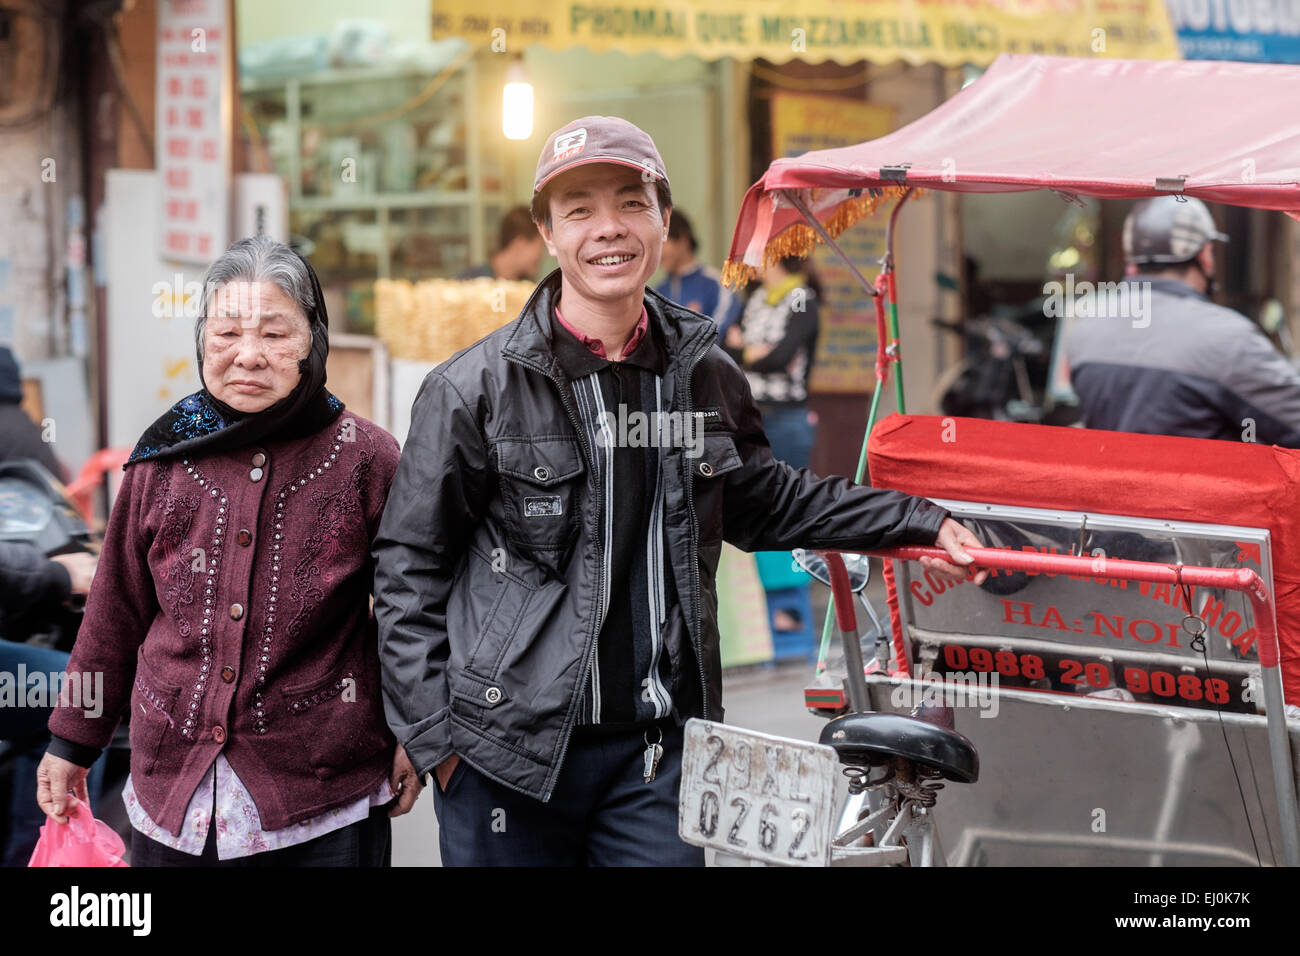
199 424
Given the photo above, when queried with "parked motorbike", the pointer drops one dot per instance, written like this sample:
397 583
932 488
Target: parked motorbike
1004 373
35 510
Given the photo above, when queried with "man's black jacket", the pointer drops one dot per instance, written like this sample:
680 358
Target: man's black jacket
488 565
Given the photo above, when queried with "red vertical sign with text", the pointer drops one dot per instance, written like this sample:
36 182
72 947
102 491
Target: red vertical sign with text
192 144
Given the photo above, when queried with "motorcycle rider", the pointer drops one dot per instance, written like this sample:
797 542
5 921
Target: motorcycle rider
1187 366
20 437
32 584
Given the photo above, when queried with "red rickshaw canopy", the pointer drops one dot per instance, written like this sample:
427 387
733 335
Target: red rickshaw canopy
1221 131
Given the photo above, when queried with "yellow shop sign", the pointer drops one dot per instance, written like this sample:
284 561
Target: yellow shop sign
918 31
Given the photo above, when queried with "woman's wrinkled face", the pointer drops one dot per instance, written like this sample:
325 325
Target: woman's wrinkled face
253 339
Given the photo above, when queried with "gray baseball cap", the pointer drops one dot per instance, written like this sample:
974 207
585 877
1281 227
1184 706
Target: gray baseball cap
598 139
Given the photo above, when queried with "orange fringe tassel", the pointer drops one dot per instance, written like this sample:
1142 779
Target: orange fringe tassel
800 239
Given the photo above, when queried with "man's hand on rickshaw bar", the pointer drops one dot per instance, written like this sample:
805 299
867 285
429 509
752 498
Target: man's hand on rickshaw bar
954 538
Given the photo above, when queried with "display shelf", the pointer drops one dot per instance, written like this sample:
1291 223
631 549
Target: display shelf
343 76
399 126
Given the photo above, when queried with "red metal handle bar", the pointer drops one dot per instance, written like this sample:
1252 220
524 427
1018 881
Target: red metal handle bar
1231 579
883 358
842 597
841 590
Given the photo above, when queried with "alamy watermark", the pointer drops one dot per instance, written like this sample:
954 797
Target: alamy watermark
638 429
125 910
176 298
975 689
1105 300
23 688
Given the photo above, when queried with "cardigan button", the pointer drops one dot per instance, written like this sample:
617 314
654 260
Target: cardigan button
255 474
244 537
236 611
219 734
227 673
259 460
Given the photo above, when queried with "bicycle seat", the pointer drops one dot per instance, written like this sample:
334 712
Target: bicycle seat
872 739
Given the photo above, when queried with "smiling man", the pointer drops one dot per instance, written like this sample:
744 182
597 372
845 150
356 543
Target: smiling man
545 581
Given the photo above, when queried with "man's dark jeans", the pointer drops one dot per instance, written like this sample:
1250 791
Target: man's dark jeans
602 812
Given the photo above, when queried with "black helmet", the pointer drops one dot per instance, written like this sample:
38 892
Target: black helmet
1168 229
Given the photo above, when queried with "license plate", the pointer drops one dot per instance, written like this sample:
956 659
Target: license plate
757 796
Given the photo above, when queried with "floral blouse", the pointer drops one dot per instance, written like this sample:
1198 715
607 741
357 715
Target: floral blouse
239 828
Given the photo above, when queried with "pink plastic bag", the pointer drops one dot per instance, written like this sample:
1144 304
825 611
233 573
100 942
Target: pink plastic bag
82 841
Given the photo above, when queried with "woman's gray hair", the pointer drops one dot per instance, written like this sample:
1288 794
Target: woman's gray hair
257 259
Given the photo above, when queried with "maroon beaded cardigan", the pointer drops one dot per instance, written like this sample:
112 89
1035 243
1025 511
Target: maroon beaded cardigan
230 613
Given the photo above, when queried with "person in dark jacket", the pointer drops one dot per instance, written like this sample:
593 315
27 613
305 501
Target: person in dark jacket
230 614
20 437
31 583
545 565
1155 355
32 588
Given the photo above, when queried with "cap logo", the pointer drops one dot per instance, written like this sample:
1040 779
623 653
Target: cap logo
570 144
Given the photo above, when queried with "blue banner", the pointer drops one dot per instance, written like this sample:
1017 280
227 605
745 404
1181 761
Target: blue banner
1257 31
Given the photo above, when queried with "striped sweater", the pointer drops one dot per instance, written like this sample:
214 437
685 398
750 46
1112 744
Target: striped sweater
629 681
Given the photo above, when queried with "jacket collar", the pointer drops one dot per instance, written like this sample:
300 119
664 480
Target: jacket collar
577 359
532 339
1169 286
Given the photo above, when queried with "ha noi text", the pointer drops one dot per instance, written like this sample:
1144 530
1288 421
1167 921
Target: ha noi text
927 589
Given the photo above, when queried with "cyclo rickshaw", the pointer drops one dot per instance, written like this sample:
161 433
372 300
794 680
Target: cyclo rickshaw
1116 691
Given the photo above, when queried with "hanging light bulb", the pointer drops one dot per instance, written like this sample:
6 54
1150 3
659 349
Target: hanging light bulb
517 103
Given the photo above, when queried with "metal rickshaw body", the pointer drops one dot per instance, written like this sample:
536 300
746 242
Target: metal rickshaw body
1137 639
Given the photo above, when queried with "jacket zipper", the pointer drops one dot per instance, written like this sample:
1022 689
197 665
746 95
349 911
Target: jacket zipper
695 534
567 729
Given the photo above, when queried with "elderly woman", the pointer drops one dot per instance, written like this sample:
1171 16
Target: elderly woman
230 612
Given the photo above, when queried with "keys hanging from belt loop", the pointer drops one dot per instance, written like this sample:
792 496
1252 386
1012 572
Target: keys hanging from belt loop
653 754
